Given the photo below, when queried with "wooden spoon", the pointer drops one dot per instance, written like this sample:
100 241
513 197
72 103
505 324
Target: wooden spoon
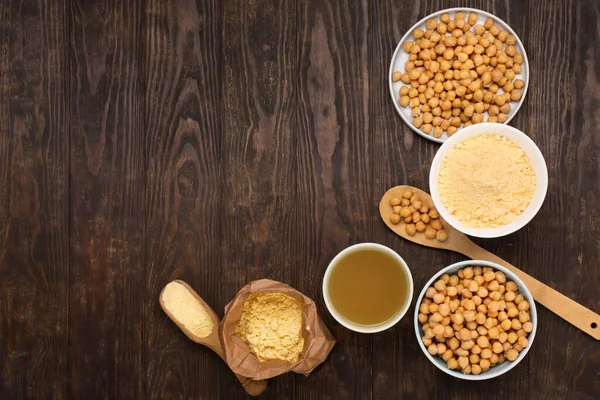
569 310
252 387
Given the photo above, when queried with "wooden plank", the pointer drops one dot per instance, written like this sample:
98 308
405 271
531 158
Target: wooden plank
333 158
34 201
183 145
259 99
107 200
563 101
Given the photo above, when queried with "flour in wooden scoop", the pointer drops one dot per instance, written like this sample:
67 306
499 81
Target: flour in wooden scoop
486 181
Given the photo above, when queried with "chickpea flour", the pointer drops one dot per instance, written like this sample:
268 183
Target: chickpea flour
486 181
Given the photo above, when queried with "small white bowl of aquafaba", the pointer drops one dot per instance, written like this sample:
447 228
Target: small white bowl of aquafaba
488 180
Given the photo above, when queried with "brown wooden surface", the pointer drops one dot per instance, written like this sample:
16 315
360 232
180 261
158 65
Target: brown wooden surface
223 141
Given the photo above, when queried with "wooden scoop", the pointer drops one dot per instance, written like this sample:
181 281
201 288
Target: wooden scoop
252 387
569 310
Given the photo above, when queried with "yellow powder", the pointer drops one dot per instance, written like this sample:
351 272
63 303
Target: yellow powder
187 310
486 181
271 325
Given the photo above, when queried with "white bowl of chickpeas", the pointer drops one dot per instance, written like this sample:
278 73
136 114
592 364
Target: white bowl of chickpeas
475 320
455 68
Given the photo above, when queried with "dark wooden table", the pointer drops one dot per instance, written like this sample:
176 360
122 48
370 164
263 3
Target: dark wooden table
220 142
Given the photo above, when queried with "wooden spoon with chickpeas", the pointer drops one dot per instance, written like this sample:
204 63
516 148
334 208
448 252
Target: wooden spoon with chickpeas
569 310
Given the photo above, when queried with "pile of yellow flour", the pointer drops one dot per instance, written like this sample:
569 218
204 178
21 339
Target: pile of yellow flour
486 181
271 325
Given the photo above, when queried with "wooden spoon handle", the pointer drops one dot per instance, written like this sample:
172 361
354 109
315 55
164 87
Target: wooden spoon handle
569 310
212 341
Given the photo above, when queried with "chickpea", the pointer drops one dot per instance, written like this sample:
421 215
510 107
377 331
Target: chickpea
439 286
463 362
484 364
410 229
518 299
395 219
476 368
438 298
430 292
497 348
431 24
453 343
518 347
488 23
523 305
501 358
436 317
523 341
432 349
453 363
516 324
446 355
473 287
512 312
448 331
512 355
503 337
502 316
444 310
441 235
405 212
469 315
395 202
438 330
524 316
494 359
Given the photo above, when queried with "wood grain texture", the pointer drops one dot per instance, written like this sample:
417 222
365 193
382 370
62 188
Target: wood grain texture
183 143
107 200
34 200
333 153
258 160
563 106
223 141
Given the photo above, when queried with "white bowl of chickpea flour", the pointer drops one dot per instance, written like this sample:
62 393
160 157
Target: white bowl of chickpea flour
501 349
488 181
475 91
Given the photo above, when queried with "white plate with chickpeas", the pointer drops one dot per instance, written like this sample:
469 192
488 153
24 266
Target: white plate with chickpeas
475 320
455 68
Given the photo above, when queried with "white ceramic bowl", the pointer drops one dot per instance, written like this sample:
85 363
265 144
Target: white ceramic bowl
368 328
400 58
498 369
537 162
